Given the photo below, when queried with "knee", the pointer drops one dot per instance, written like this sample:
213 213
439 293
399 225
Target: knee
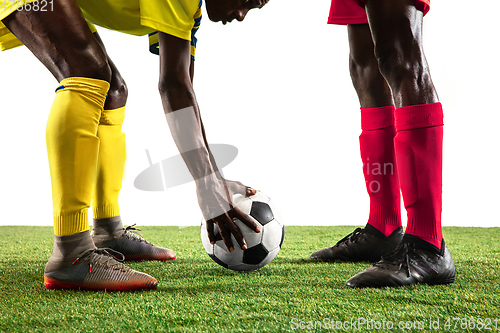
398 63
96 66
118 93
370 85
363 71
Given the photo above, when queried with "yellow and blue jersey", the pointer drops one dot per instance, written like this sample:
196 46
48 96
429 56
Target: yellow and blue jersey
179 18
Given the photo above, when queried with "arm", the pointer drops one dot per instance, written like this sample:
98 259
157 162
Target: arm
183 117
191 70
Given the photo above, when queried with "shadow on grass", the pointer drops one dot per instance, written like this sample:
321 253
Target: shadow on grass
237 288
275 262
207 260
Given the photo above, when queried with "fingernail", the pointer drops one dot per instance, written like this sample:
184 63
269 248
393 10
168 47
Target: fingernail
231 249
244 247
258 229
212 242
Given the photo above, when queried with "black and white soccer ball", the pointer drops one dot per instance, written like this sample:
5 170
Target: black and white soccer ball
262 247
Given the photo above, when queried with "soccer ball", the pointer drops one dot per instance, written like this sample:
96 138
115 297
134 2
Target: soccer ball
262 247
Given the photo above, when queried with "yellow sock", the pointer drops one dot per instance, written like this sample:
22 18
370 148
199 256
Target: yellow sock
110 165
72 147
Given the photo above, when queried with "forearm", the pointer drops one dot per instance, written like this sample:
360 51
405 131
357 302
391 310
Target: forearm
185 125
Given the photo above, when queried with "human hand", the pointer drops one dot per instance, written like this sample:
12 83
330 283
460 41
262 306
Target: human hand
216 202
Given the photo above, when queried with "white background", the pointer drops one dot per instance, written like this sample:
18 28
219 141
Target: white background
277 87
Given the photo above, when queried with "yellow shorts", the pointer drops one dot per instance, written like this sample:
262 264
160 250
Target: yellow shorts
179 18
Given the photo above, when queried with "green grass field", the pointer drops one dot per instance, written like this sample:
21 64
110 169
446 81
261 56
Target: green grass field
197 295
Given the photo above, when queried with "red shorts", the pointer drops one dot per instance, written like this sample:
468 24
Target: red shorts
353 11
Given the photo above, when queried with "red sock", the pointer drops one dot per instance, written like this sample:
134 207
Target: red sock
419 154
379 167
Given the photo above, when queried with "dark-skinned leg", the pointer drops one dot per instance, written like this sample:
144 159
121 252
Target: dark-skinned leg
118 92
397 33
376 139
111 161
383 231
371 87
63 42
422 257
107 226
396 28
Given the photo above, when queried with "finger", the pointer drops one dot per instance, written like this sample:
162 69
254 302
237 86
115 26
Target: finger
250 192
238 187
210 231
247 220
226 236
235 230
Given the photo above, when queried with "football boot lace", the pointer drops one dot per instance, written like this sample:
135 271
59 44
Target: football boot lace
133 233
400 257
353 236
102 258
